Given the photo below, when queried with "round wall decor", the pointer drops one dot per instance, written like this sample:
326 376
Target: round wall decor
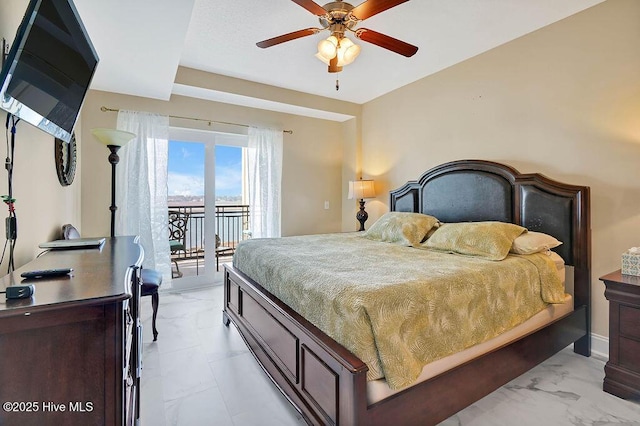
65 156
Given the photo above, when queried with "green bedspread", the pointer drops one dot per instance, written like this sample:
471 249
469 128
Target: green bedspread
398 308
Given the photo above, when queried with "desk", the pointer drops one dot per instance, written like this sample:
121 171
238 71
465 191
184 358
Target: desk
71 354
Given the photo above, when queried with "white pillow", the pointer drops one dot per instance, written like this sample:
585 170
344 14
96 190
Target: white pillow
533 242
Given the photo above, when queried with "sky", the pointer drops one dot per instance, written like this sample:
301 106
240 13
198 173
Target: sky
186 169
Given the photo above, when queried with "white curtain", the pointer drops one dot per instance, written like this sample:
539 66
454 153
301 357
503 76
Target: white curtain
141 194
264 160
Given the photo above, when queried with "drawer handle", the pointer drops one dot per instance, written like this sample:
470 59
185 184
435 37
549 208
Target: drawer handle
139 366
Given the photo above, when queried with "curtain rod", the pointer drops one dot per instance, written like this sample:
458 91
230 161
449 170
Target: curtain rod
105 109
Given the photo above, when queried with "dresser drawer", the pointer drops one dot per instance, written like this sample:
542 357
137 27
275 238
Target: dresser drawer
630 322
629 355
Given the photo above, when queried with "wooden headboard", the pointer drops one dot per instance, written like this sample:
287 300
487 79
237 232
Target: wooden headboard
477 190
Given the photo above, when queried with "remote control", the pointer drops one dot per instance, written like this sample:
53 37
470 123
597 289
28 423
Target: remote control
46 273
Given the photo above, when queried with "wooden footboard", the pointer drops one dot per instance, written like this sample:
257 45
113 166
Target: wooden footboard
324 381
327 383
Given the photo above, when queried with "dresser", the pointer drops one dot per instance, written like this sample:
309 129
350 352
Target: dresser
71 354
622 371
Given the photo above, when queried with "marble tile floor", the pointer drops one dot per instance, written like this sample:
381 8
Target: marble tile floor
200 372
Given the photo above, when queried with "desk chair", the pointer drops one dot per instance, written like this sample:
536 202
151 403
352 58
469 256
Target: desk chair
150 279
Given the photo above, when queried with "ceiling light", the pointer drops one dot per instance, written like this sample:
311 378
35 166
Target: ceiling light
328 48
347 52
337 51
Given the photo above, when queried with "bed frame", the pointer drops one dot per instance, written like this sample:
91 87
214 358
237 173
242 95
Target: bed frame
327 383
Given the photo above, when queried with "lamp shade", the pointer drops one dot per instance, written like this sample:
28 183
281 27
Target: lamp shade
322 58
347 52
350 54
361 189
328 48
112 136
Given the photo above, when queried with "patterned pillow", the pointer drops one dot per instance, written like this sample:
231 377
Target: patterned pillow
490 240
409 229
533 242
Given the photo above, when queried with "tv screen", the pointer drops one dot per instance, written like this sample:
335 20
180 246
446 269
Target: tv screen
49 68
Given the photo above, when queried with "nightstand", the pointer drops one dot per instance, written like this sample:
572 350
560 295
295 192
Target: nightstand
622 371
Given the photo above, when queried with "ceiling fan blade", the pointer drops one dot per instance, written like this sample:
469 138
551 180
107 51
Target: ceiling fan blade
287 37
373 7
390 43
311 6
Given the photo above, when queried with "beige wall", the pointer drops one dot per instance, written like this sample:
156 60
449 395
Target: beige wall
312 170
351 168
563 101
42 205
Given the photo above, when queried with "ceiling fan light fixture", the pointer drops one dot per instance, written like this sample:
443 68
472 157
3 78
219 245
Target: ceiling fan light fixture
350 54
328 48
345 43
339 17
348 51
322 58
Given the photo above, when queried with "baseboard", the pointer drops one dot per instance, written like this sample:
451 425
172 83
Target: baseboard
600 346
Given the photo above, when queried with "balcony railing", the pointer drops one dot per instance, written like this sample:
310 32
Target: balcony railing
231 224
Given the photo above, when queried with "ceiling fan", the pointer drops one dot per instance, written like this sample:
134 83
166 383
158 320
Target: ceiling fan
340 17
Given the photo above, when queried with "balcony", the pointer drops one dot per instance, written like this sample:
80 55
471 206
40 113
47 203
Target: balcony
231 224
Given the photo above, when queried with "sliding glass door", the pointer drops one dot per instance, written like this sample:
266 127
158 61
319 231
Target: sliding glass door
207 209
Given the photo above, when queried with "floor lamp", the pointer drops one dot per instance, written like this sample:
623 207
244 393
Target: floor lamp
113 139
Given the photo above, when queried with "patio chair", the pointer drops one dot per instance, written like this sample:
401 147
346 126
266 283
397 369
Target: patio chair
178 222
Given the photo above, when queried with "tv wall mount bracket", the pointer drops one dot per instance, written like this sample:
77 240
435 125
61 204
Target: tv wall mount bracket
5 50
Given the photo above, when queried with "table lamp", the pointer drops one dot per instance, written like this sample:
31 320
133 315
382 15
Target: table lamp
361 189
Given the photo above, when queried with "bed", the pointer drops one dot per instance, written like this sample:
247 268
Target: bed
328 384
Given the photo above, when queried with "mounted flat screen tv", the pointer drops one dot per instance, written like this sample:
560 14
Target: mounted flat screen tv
49 68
